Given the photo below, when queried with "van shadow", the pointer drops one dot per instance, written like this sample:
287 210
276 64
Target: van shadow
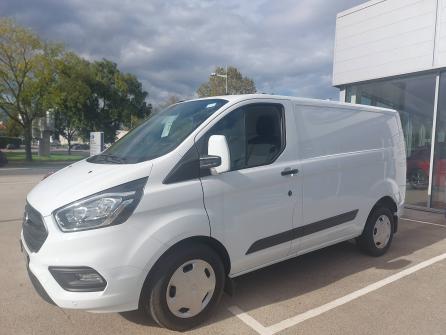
139 318
313 271
316 270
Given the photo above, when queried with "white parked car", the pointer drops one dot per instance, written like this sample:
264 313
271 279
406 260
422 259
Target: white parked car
206 191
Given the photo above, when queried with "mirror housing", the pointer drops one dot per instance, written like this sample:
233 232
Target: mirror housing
218 146
209 162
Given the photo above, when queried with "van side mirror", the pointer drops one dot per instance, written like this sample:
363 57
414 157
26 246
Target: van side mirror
218 146
209 162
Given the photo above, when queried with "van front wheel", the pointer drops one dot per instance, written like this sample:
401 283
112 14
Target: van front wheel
378 232
184 288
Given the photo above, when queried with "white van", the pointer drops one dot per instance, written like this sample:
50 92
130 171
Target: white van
206 191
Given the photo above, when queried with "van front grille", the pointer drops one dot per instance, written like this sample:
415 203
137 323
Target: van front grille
34 230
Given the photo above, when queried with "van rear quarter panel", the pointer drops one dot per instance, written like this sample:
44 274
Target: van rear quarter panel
348 163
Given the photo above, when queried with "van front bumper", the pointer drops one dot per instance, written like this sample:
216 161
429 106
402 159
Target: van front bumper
34 281
121 255
120 294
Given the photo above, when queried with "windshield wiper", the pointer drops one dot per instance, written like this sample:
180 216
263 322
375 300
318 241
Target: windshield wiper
108 159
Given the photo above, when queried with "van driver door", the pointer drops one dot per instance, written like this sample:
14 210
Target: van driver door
251 207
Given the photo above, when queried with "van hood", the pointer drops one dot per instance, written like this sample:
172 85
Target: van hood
80 180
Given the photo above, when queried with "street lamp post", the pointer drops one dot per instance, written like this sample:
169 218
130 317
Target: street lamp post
213 74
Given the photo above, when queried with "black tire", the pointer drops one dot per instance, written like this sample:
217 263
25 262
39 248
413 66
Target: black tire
153 301
366 241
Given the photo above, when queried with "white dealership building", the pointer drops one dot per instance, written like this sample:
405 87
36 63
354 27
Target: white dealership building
392 53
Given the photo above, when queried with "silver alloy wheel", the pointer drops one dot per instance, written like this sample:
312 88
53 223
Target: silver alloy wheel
382 231
190 288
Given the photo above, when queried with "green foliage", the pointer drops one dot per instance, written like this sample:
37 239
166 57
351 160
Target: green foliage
96 97
237 83
5 140
36 77
171 99
3 116
19 157
13 128
117 100
71 95
26 75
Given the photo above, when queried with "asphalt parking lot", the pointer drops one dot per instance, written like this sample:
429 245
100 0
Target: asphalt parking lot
333 291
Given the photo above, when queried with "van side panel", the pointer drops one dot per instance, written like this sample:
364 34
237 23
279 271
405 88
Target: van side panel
347 165
399 156
325 131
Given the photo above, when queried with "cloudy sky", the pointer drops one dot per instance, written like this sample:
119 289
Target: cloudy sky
286 46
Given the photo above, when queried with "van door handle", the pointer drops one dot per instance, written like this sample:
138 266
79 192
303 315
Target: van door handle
289 172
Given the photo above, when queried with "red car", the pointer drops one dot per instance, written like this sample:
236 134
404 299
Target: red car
418 167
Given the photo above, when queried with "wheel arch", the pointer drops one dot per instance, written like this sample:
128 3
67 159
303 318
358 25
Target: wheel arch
216 245
390 203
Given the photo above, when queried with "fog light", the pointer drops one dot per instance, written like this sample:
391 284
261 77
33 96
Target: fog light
78 279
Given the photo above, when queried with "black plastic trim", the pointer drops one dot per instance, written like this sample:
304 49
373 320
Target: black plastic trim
298 232
34 229
35 282
39 288
188 168
395 224
58 273
209 162
289 172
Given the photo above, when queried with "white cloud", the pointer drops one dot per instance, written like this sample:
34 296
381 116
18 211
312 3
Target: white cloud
172 46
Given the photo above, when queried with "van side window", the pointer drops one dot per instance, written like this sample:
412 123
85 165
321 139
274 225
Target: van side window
255 135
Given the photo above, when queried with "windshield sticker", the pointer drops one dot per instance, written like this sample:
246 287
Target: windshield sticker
167 125
211 105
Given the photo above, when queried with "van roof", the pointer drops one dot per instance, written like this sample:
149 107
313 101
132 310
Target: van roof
302 101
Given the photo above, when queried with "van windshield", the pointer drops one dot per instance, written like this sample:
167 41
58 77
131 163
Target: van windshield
160 134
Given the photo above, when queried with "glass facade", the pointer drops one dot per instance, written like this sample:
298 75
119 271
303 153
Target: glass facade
439 170
414 98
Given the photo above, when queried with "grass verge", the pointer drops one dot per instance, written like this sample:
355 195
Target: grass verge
19 157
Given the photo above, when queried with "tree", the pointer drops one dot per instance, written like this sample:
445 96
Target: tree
26 76
237 83
96 97
117 100
71 94
13 129
136 101
171 100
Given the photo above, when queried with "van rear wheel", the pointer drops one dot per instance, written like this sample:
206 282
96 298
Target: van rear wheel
378 232
184 288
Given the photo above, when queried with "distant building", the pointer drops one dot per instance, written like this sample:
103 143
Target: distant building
120 134
392 53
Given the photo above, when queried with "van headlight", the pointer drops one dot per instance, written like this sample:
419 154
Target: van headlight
103 209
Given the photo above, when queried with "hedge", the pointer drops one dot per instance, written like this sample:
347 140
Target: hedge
5 140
